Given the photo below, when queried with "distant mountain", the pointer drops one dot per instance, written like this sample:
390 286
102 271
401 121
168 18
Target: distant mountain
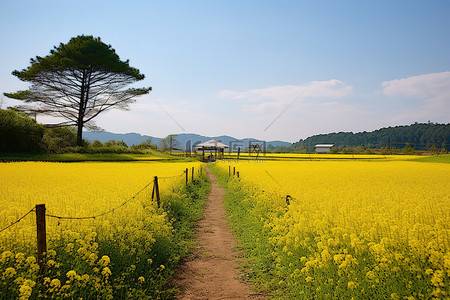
185 140
420 136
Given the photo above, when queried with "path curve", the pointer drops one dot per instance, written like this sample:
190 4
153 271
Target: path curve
211 271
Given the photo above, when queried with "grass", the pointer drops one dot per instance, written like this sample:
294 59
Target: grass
442 158
79 157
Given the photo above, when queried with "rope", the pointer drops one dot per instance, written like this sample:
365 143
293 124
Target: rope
104 213
95 216
288 198
168 177
273 179
18 220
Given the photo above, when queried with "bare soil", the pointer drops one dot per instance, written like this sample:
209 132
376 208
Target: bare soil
212 270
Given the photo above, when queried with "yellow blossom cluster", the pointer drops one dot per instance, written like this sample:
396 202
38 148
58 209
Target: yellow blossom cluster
362 229
83 254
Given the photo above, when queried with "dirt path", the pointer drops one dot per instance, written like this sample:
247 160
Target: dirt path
211 271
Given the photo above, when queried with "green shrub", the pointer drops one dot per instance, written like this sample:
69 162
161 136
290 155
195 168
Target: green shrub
345 151
60 139
332 151
19 133
145 145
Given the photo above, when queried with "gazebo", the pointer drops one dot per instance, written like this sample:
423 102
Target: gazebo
211 145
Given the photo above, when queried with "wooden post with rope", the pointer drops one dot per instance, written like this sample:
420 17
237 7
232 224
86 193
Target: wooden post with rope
41 236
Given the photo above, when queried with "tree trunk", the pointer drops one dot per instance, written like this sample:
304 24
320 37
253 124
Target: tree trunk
80 134
81 110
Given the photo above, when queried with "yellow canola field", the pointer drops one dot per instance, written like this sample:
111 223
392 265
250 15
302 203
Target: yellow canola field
315 156
354 228
82 190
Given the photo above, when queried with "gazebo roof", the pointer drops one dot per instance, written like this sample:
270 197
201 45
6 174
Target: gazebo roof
211 145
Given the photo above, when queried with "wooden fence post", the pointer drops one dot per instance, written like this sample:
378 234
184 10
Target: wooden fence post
41 236
192 173
155 191
187 174
237 174
229 171
288 199
234 171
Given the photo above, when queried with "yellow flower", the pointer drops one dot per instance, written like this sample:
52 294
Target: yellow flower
71 274
31 260
395 296
85 277
29 282
25 292
106 272
141 279
92 258
104 261
55 283
51 263
10 272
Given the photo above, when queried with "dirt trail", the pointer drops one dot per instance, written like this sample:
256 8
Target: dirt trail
211 271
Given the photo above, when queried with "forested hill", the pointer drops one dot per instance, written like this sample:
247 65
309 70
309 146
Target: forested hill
420 136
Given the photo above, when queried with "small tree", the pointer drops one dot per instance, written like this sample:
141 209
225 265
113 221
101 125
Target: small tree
408 149
96 144
345 151
368 151
122 144
144 145
169 142
359 149
77 82
433 149
59 139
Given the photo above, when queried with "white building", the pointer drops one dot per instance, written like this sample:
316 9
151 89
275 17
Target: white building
323 148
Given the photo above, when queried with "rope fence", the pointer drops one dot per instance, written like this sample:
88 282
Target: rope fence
41 213
233 173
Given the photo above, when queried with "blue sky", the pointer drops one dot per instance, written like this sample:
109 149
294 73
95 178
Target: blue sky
280 70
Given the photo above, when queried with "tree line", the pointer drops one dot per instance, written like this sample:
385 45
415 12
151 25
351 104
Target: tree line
21 133
418 136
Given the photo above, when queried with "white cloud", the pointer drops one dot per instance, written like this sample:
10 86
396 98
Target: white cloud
434 87
277 97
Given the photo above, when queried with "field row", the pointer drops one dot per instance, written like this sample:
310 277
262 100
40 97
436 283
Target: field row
128 252
362 229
